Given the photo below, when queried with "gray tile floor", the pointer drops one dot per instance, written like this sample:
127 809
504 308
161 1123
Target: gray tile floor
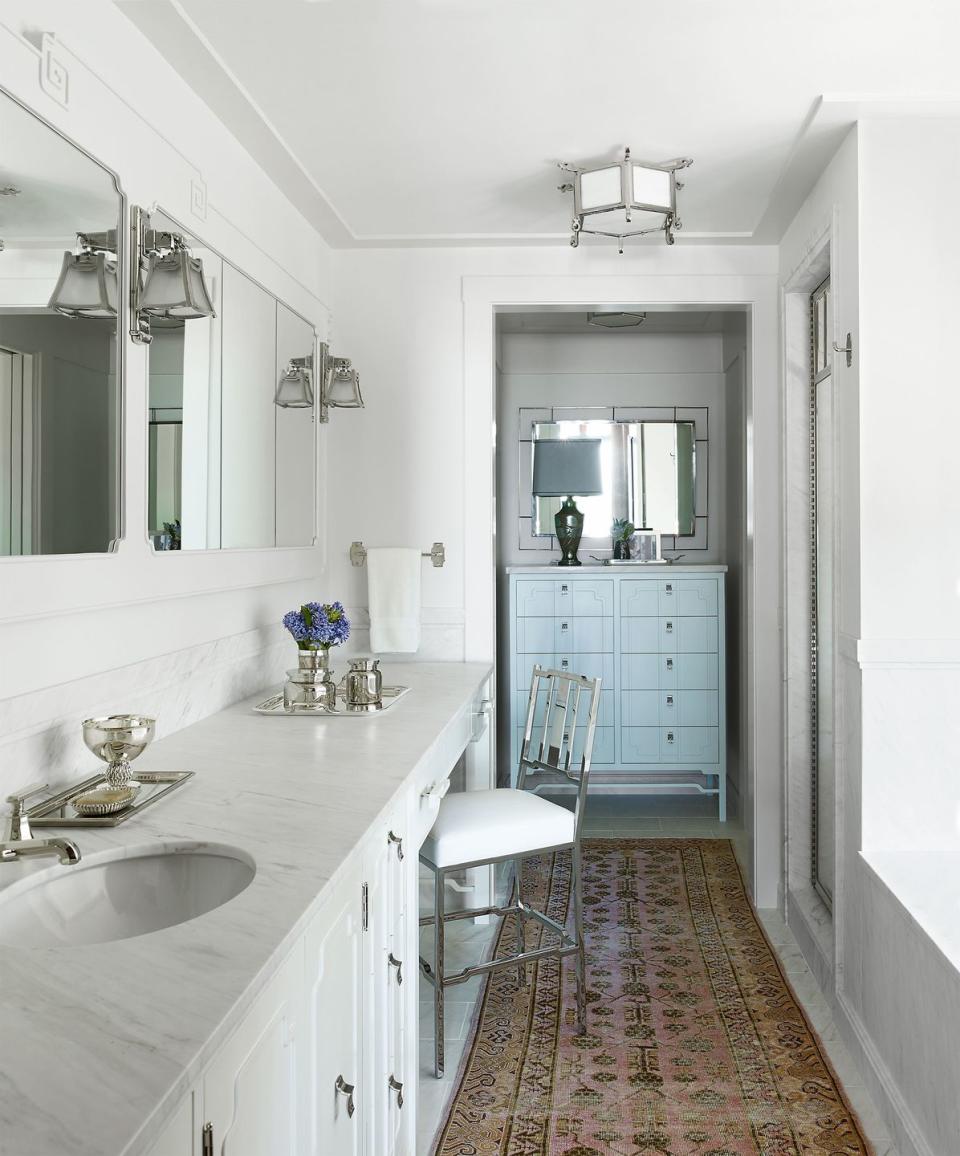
626 817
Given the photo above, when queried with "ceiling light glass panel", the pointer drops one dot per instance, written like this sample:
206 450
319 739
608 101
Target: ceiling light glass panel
600 187
87 286
651 187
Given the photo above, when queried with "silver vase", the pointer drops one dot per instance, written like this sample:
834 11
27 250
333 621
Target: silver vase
310 686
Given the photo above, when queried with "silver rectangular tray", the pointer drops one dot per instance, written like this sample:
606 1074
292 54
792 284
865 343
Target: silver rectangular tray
58 812
391 696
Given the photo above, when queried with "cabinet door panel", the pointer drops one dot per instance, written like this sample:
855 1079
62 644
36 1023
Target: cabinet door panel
335 1024
639 598
249 1089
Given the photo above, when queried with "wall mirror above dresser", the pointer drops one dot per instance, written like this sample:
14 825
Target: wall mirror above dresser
232 457
649 471
61 260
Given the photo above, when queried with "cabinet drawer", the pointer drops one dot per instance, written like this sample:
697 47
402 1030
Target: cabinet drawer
669 672
564 634
649 744
589 665
699 744
605 710
603 746
546 597
639 598
668 635
688 597
676 708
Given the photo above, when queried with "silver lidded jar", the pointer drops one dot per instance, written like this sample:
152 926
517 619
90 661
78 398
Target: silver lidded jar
364 685
310 686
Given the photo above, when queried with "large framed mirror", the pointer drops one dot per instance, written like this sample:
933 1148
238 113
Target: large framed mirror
60 359
232 459
649 474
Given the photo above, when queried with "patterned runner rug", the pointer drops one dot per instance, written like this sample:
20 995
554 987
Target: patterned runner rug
696 1045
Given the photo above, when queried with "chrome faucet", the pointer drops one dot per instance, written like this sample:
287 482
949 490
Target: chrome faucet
19 842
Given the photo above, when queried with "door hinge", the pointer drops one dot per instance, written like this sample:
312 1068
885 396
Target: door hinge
206 1147
365 906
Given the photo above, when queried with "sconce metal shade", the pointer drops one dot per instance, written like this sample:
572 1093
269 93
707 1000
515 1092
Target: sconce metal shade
568 467
295 388
174 287
87 286
342 386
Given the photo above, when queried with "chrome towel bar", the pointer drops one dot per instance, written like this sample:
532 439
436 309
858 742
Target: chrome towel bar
437 554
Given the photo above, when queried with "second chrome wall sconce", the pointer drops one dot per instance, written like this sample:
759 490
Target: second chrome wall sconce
339 384
166 280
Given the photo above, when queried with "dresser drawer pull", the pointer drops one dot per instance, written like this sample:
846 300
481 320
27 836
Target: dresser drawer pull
669 628
669 700
669 664
398 841
344 1089
398 964
564 663
564 625
669 736
564 588
669 587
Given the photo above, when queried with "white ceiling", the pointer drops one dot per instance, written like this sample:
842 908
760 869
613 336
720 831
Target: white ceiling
441 121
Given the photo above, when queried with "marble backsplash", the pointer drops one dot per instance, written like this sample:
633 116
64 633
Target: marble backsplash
40 736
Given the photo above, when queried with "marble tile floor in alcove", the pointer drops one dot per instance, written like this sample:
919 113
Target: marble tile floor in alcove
625 817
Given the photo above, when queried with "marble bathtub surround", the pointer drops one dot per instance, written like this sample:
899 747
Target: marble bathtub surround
144 1015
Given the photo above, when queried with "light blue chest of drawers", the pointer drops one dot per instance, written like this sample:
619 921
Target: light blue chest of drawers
656 639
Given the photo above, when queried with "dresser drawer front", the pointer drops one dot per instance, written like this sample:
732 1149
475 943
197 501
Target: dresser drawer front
536 635
604 752
676 708
641 708
696 672
695 635
585 598
639 599
688 597
590 665
584 635
536 598
640 744
699 745
605 711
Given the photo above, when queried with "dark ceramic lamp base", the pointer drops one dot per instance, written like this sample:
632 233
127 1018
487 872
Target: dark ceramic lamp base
568 525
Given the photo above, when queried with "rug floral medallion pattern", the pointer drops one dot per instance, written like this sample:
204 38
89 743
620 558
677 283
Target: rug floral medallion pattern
696 1045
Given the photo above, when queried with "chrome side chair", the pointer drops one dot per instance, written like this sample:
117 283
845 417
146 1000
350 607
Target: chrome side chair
475 828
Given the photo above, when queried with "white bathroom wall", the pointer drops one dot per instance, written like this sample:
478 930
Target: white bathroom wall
896 988
625 369
417 465
178 635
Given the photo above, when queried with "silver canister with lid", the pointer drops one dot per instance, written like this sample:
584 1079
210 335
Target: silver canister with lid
363 690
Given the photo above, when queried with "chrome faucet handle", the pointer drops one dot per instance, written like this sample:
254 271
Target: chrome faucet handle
19 825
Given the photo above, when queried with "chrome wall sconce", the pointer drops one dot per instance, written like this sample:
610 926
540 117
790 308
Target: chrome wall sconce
295 388
88 284
607 197
166 280
339 384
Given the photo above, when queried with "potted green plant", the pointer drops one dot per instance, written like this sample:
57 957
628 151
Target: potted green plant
620 532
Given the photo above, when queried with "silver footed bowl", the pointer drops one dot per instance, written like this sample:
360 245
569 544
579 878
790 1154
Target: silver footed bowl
118 739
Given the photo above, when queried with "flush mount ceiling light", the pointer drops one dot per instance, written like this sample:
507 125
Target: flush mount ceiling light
166 279
87 285
624 199
295 388
616 320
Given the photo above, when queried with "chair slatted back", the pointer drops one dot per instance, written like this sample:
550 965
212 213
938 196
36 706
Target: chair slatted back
559 732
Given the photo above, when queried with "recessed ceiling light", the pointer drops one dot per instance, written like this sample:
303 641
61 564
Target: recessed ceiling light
9 191
616 320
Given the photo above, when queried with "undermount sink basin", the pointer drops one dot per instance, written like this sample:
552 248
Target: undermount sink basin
117 896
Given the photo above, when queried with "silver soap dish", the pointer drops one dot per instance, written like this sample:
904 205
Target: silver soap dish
59 810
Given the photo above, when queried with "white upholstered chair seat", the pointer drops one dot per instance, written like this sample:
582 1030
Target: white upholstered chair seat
488 825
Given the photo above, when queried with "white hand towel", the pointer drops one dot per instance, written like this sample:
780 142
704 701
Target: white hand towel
393 585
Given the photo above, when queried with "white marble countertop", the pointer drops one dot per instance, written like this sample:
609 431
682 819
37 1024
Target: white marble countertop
99 1042
641 568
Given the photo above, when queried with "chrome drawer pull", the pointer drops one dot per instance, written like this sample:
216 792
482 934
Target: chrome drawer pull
669 628
669 664
398 964
669 587
396 1086
669 700
564 588
392 838
669 736
564 625
344 1089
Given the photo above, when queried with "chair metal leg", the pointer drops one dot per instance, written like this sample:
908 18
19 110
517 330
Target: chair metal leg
576 883
521 939
438 898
